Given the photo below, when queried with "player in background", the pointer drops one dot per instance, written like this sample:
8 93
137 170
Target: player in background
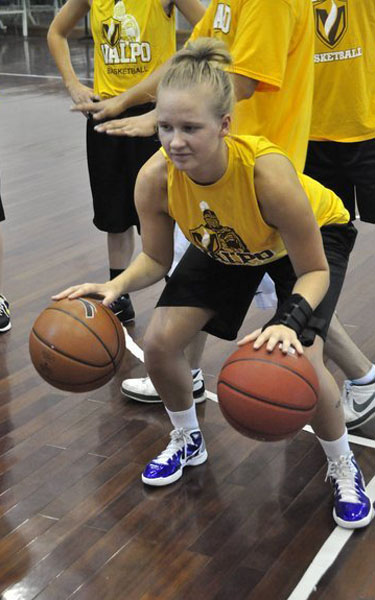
131 40
341 155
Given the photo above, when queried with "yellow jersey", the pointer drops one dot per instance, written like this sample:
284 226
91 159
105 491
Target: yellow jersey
344 95
132 38
271 41
224 219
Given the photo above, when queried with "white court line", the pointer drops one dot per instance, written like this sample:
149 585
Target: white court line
132 346
41 76
326 556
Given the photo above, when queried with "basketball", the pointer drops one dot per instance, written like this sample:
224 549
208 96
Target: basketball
267 396
77 345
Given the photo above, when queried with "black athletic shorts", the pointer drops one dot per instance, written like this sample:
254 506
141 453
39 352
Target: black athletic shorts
113 164
349 170
201 281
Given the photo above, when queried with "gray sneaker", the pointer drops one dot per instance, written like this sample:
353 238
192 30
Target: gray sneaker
143 390
359 403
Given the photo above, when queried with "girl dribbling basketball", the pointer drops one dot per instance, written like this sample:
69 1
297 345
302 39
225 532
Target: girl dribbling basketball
246 211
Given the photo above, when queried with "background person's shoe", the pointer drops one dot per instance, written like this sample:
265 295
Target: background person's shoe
5 323
186 449
143 390
359 403
352 508
123 308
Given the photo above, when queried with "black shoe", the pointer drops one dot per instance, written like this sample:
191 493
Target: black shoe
5 323
123 309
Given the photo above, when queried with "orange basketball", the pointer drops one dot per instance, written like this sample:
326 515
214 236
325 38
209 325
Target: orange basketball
267 395
77 345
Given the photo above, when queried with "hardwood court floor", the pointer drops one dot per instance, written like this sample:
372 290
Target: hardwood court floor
76 521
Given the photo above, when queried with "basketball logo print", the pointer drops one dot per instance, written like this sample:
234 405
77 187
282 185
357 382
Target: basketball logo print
331 20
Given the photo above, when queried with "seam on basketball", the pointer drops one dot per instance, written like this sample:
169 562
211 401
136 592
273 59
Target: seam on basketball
261 399
58 351
87 327
267 362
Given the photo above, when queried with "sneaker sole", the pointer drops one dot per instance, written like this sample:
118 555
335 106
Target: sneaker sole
156 399
194 462
354 524
6 328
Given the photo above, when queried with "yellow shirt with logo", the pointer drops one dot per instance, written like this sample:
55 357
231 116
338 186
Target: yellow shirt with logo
344 95
132 38
224 220
271 41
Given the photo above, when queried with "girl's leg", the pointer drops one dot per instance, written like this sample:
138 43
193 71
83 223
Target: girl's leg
170 331
352 507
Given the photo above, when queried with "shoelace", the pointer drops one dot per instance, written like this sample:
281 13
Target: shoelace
179 440
347 390
343 472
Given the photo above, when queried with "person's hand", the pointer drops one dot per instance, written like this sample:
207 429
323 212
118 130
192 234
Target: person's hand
275 335
105 109
140 126
80 93
107 291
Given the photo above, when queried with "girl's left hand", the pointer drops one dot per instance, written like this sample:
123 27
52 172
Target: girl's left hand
275 335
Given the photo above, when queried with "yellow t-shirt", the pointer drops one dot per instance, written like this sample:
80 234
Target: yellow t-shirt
344 95
224 220
132 38
271 41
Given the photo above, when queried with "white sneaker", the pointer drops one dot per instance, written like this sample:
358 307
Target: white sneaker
359 403
144 391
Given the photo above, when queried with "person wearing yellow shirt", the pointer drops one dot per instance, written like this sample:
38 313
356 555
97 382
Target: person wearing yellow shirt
246 211
131 40
341 155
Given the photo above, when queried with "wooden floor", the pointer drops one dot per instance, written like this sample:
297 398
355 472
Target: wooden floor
77 522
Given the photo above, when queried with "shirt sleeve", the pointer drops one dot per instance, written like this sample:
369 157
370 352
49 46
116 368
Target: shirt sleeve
259 39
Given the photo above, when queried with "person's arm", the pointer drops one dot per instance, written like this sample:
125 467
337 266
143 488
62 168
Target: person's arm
154 262
57 38
285 206
146 124
192 10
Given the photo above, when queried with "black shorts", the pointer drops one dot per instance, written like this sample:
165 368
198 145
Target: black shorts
113 164
349 170
201 281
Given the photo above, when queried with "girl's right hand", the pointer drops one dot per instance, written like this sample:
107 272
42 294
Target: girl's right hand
80 93
107 291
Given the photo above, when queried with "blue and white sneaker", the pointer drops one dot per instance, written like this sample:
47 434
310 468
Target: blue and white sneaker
186 449
352 508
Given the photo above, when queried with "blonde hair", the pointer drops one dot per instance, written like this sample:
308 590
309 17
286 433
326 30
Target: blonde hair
203 62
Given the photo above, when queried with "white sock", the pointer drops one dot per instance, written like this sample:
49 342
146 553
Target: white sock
336 448
368 378
184 419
